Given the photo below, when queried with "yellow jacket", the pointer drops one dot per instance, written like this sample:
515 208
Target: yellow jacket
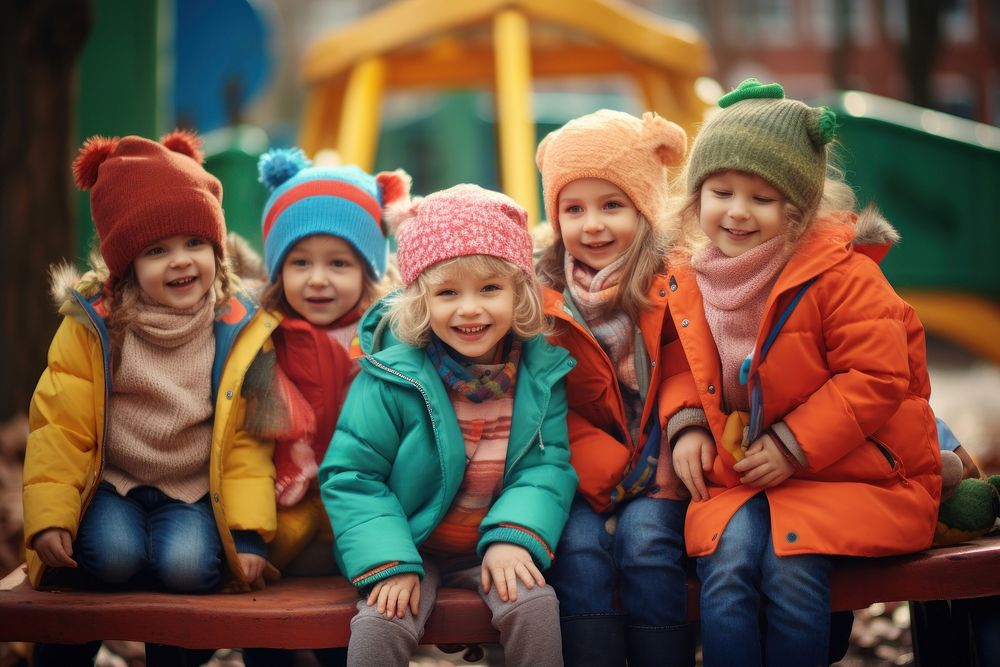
68 425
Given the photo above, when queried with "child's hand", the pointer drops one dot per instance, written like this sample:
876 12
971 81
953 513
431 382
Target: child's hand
55 547
765 464
694 454
253 569
396 593
504 564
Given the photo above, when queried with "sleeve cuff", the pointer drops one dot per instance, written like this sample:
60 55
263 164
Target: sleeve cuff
683 419
372 577
787 439
522 537
249 542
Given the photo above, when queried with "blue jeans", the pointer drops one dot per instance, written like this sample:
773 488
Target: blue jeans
147 534
638 550
749 593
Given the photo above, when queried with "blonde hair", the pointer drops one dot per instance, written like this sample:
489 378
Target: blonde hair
643 261
686 239
409 311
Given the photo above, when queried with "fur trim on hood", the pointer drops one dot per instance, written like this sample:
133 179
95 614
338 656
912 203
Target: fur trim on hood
245 262
64 278
871 228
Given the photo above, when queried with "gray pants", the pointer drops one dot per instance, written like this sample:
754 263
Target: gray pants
529 627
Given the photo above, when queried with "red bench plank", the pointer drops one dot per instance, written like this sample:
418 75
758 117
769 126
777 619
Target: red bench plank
292 613
315 612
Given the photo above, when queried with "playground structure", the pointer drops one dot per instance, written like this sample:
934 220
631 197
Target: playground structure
500 44
943 266
933 175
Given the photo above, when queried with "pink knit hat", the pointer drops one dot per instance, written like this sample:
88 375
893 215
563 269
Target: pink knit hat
616 147
462 220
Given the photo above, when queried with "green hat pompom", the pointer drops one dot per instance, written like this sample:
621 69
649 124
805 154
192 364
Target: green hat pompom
824 127
752 89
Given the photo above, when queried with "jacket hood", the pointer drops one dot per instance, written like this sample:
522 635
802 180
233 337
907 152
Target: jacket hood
871 228
65 278
374 332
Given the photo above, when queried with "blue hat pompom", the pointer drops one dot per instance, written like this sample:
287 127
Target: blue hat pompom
279 164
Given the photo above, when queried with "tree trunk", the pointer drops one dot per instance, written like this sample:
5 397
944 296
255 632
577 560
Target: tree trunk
923 41
41 42
840 63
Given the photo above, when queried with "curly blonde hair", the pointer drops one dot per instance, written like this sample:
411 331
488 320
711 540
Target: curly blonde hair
409 311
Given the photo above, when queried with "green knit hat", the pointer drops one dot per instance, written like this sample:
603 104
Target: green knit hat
760 132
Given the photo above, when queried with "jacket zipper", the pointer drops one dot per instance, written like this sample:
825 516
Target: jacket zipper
427 404
894 464
538 434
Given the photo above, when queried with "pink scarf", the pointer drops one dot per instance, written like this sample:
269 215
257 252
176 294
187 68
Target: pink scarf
161 411
735 291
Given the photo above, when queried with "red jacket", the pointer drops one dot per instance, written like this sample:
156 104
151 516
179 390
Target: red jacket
601 449
848 375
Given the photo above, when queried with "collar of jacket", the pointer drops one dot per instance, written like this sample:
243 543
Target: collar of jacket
542 366
229 322
650 321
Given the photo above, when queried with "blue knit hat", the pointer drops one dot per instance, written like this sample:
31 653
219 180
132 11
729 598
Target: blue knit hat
342 201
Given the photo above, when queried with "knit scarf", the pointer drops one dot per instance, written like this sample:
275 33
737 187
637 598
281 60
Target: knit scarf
592 291
466 378
345 330
735 291
160 424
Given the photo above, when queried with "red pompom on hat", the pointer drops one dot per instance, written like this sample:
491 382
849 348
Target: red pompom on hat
142 191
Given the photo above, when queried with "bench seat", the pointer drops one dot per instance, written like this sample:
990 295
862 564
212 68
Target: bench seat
315 612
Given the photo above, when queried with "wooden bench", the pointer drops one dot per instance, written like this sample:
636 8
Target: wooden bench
315 612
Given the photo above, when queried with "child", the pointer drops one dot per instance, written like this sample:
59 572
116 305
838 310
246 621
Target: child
451 464
838 454
325 252
138 468
604 177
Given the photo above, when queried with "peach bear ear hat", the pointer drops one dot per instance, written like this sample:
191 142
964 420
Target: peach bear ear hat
629 152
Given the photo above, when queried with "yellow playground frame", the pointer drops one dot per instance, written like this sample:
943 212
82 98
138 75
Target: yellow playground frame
505 45
498 44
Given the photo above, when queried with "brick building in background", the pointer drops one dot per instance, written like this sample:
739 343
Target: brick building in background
943 54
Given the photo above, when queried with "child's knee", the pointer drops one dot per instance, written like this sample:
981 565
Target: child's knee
537 604
114 559
114 567
189 568
368 622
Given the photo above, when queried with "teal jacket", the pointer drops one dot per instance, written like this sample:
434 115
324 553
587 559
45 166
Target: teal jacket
397 458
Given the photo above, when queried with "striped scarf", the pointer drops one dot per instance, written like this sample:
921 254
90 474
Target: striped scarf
592 292
454 371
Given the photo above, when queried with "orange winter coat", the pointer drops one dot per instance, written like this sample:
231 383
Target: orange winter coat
848 375
601 449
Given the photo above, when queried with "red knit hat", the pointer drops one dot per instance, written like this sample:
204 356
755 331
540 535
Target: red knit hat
462 220
142 191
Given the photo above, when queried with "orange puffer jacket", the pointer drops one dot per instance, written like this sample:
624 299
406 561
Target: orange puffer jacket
847 374
601 449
